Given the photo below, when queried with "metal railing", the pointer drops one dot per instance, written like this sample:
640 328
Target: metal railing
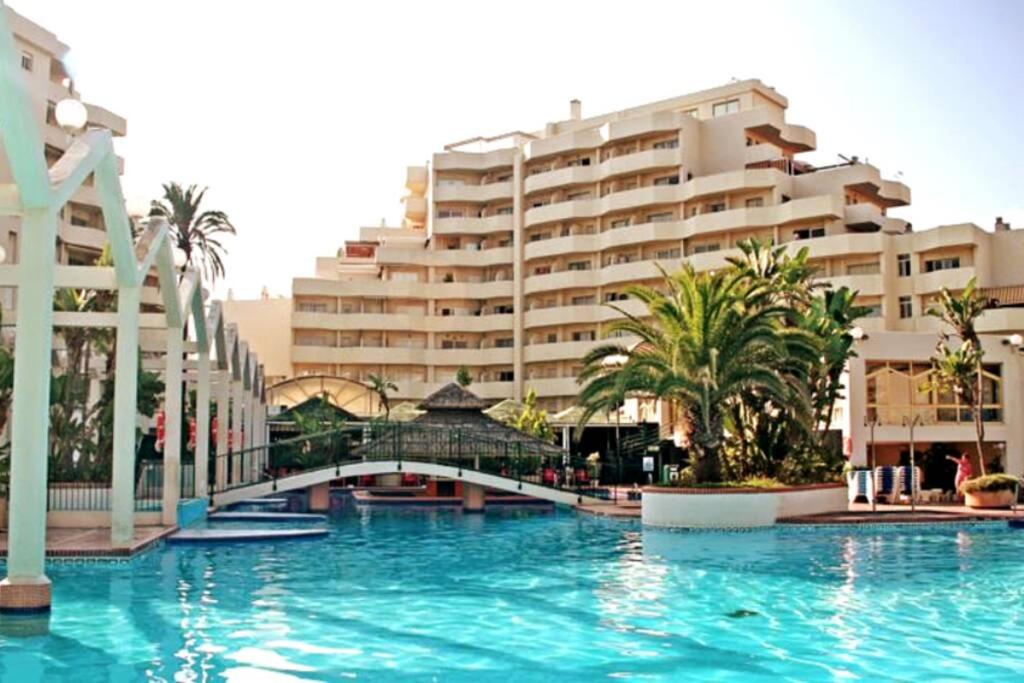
462 447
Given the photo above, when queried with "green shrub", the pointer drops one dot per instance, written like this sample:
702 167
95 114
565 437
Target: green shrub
991 482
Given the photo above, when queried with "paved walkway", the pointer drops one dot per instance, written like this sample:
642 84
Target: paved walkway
61 542
860 513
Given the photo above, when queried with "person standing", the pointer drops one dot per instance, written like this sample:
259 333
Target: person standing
964 471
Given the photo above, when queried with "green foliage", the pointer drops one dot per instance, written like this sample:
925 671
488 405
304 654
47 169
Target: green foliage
752 354
533 420
462 376
382 386
196 233
991 482
960 370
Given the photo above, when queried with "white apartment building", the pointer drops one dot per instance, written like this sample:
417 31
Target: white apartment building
510 245
81 233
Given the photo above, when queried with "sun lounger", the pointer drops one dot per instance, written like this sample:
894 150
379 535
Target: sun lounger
860 483
887 484
905 482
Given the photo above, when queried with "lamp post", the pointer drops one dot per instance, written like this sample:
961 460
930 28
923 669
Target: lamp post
912 422
871 422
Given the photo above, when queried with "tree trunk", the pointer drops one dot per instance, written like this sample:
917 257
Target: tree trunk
707 467
979 422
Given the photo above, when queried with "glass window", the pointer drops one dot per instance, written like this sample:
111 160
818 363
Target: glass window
727 107
27 61
754 202
666 144
906 307
903 265
947 263
667 180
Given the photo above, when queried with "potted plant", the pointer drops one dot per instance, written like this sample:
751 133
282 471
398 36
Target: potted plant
991 491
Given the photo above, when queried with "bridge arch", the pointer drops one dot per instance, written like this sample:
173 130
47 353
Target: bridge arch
428 469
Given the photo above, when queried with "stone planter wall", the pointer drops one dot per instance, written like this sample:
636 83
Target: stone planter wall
737 508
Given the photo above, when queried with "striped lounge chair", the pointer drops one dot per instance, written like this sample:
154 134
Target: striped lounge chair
860 484
887 484
905 482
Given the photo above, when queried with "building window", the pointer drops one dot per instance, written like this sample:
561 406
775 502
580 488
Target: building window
906 307
863 269
808 233
542 270
896 390
506 376
667 180
716 207
579 265
620 223
583 300
754 202
504 343
690 112
615 296
585 335
503 308
706 248
504 210
947 263
666 144
51 113
449 213
581 161
578 195
667 254
727 107
660 217
903 265
27 61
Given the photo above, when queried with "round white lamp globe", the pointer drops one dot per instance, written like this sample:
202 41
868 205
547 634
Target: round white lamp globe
857 333
71 115
1016 340
3 254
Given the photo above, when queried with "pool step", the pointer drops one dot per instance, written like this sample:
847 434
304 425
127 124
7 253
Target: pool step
266 517
236 535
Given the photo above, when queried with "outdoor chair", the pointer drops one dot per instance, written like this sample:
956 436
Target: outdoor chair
860 483
886 484
905 482
549 476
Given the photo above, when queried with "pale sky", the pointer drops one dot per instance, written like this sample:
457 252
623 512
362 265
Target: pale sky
301 116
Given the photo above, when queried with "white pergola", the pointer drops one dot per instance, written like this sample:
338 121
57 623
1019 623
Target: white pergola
36 196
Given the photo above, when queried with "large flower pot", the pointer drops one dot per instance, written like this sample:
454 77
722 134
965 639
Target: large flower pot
989 499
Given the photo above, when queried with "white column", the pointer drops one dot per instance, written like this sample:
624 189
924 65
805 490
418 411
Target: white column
237 398
31 407
122 523
172 426
202 462
250 437
223 424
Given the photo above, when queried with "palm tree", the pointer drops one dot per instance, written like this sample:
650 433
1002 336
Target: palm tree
381 385
960 313
195 232
704 349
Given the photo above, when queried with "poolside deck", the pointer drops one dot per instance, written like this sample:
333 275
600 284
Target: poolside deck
860 513
64 542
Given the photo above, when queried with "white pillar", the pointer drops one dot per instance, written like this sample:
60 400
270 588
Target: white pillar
250 437
223 424
172 426
237 398
122 523
202 462
31 412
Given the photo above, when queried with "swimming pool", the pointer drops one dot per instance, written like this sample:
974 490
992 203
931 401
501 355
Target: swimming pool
537 596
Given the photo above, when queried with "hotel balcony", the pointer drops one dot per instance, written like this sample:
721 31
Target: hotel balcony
567 350
768 123
416 179
954 279
589 313
415 208
402 289
473 193
82 236
865 285
949 236
645 124
402 322
869 218
444 257
589 208
566 142
399 355
472 225
474 161
554 386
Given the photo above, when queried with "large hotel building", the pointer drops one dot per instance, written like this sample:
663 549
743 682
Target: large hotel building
81 234
510 245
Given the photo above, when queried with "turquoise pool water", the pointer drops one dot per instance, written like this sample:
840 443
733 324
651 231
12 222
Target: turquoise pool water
427 595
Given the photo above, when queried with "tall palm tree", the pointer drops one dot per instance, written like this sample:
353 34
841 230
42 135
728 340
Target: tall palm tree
960 313
703 349
381 385
197 233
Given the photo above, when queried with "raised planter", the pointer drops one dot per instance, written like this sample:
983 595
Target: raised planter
990 499
737 508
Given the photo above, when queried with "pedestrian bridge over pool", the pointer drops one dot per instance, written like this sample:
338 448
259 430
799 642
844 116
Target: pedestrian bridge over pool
527 467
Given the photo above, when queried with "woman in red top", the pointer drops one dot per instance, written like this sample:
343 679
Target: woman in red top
963 471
